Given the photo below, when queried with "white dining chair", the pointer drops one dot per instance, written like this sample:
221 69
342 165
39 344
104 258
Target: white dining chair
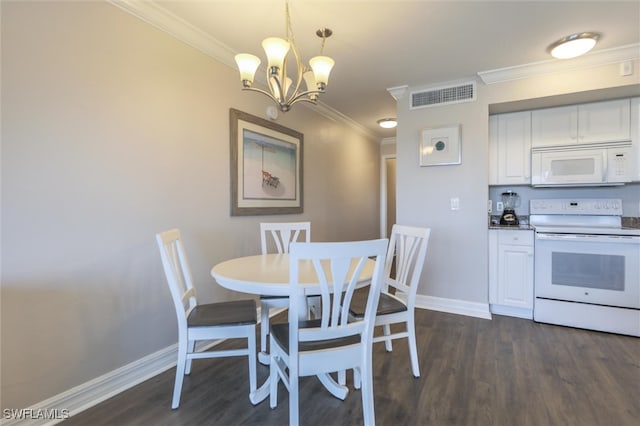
332 342
222 320
404 263
276 237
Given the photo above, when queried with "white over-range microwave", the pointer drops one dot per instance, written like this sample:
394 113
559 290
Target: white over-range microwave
582 165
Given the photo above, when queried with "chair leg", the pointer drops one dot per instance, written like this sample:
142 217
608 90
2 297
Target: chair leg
251 343
180 371
387 343
313 306
274 378
413 347
293 400
264 327
368 409
191 345
357 378
342 377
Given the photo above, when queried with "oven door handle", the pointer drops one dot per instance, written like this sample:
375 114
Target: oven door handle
618 239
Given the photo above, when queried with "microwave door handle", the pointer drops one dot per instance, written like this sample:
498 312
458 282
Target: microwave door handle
605 163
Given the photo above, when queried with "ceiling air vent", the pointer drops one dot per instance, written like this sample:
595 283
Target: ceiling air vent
444 95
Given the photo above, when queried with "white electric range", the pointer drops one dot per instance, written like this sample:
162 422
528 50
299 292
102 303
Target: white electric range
587 266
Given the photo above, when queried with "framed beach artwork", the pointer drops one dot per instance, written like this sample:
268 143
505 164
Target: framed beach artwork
440 146
266 166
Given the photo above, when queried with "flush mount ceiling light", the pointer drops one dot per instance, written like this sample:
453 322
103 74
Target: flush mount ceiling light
573 45
387 123
281 88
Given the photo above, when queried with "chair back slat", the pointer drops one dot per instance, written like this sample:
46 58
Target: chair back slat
408 249
282 234
338 267
178 273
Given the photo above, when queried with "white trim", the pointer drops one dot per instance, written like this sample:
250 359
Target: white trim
161 18
454 306
597 58
166 21
398 92
512 311
383 193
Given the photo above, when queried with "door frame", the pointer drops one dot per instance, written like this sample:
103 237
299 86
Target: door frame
383 193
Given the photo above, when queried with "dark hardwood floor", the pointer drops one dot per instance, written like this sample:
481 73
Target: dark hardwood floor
506 371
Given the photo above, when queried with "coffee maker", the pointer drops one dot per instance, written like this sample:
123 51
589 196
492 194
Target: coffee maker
510 200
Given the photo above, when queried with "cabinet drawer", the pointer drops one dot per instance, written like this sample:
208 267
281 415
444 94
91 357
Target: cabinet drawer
516 238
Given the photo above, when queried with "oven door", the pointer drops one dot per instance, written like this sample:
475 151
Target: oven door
596 269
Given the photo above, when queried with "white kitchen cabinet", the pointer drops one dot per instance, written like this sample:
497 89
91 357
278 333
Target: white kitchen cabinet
607 121
511 272
510 149
635 137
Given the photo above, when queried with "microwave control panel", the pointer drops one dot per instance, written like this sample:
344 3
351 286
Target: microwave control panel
618 169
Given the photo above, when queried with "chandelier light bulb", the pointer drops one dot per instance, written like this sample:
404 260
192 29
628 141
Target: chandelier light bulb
247 64
276 50
321 66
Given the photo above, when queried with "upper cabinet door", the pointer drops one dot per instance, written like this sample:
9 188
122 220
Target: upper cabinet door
510 148
635 137
514 148
604 121
607 121
554 126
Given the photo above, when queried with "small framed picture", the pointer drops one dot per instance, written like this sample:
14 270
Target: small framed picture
440 146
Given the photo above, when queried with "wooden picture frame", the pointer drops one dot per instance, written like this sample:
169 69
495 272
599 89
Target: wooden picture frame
440 146
266 166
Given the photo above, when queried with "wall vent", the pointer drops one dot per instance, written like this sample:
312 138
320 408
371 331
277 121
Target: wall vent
444 95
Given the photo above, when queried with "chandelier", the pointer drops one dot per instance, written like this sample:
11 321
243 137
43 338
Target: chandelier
281 88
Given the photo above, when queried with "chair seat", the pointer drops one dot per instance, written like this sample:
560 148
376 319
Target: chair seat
386 305
223 313
280 332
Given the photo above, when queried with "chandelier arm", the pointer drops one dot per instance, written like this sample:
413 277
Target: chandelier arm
302 100
264 92
300 69
301 96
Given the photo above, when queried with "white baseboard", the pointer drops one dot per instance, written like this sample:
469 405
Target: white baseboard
454 306
512 311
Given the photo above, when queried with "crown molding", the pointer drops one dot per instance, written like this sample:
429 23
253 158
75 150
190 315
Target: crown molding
598 58
159 17
398 92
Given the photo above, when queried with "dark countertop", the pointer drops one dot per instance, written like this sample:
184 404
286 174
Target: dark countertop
512 227
494 223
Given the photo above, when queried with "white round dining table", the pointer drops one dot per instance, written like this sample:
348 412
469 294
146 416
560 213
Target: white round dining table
268 275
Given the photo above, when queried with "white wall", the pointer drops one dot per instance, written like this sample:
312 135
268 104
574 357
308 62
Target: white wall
456 266
111 132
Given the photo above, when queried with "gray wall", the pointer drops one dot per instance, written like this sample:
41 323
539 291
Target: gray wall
111 132
457 265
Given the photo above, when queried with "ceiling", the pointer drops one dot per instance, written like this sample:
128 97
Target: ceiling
388 43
